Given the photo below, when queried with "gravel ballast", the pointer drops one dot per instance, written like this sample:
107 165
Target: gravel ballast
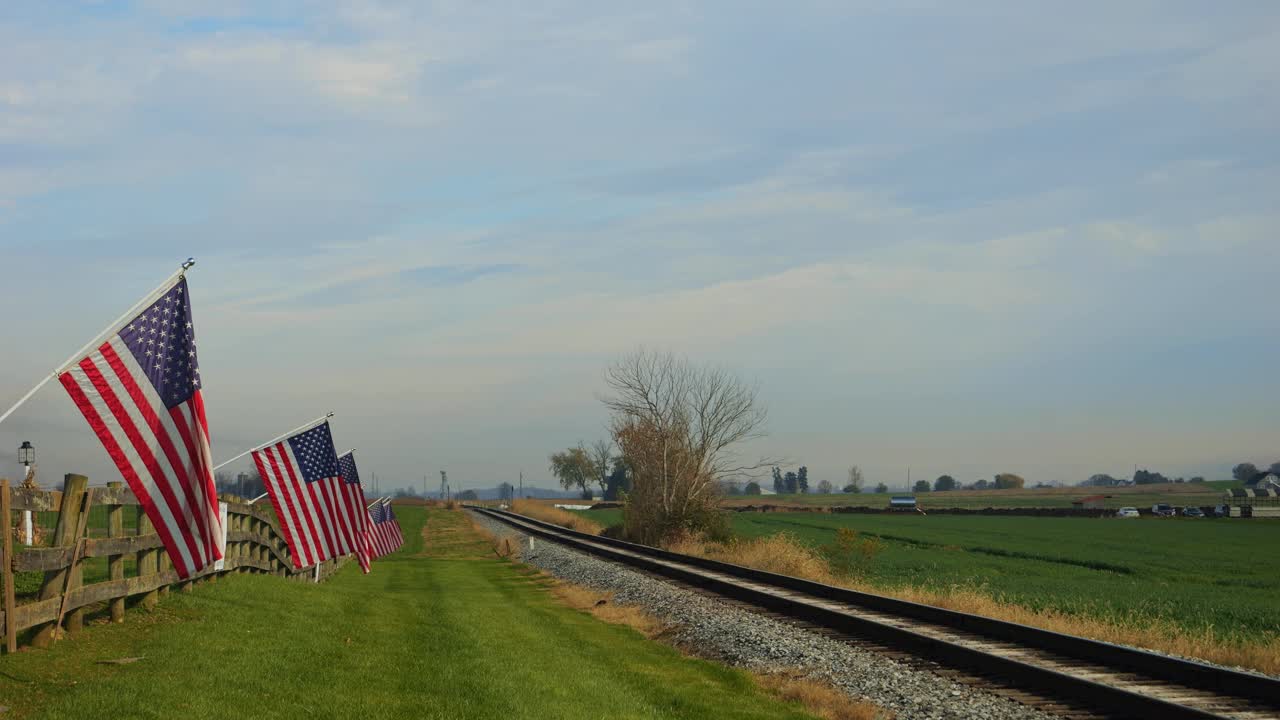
754 641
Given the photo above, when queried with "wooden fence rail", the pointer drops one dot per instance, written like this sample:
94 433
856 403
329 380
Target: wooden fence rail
254 545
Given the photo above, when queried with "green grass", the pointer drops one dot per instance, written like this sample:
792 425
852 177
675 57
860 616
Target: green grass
1196 574
454 633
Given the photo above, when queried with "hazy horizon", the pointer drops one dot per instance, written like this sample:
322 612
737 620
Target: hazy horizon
972 239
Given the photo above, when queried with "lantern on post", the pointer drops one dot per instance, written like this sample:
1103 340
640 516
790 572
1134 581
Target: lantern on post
27 456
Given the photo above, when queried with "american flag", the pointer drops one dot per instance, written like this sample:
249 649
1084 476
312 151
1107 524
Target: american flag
386 535
355 506
140 392
302 477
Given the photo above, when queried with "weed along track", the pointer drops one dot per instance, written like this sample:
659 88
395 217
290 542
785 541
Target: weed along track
1092 678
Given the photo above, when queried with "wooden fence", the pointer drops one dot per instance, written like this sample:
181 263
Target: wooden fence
254 545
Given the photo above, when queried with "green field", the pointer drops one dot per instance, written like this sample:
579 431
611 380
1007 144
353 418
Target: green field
1197 574
452 633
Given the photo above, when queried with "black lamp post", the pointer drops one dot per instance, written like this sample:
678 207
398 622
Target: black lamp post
27 453
27 456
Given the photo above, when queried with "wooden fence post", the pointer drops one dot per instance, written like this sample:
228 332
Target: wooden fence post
10 604
55 581
115 563
251 547
147 562
242 547
260 550
163 564
75 573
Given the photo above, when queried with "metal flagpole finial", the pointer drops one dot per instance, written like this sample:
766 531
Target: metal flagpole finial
187 265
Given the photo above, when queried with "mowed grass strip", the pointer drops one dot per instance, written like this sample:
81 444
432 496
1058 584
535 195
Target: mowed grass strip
441 631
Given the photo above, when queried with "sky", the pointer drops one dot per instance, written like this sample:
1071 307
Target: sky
960 238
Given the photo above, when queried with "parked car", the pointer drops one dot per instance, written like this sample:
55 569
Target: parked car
1162 510
1222 511
1127 512
1192 512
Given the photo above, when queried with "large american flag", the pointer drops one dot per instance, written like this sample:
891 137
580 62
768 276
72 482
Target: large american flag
355 506
385 534
140 392
302 477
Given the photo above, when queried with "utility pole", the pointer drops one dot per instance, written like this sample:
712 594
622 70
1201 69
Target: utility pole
424 486
521 483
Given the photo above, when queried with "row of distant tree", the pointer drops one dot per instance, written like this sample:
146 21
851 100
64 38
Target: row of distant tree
794 482
1141 477
1002 481
1244 472
581 468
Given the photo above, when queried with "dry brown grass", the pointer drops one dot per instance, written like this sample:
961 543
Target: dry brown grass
1160 635
783 554
503 547
601 605
556 516
820 699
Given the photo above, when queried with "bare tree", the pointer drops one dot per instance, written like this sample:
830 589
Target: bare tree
824 487
679 425
855 480
601 452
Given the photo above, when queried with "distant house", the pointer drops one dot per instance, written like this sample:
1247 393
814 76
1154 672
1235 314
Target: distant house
1266 478
1092 502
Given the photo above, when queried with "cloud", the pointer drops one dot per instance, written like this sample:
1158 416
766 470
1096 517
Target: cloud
670 51
351 77
909 222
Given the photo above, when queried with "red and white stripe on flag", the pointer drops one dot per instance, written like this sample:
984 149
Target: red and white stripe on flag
355 509
385 536
307 492
140 392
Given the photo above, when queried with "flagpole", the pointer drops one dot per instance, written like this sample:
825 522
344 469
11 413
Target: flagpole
298 429
127 314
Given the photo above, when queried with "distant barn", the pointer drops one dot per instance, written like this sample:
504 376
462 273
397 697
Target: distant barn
1254 502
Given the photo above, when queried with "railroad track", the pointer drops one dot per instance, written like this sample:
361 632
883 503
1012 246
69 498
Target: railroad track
1095 677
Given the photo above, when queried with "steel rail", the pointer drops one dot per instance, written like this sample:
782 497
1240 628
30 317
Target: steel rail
1230 685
